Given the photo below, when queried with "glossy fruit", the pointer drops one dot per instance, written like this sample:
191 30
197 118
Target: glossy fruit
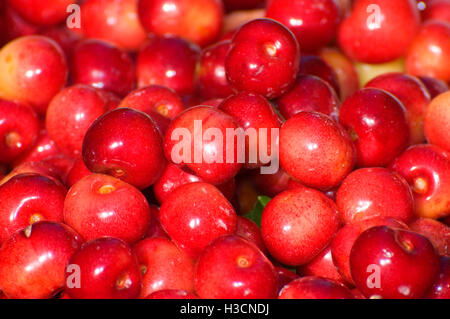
315 65
33 260
251 232
414 96
168 61
77 172
114 21
377 124
100 205
43 12
198 21
315 151
110 147
441 286
437 233
298 224
195 214
103 66
163 266
379 30
434 86
264 58
232 268
394 264
172 294
314 288
426 168
43 148
314 23
437 121
32 79
429 54
107 269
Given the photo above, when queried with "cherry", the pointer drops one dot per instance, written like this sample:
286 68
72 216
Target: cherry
126 144
379 31
163 266
32 79
250 231
414 96
231 5
103 66
198 21
314 288
233 268
437 10
376 122
66 38
309 93
14 26
155 229
437 121
315 65
207 157
27 199
211 77
77 172
285 276
393 263
314 23
33 260
426 168
298 224
270 184
101 205
441 287
107 269
113 21
19 126
44 12
437 233
429 54
434 86
315 151
201 213
171 294
263 58
168 61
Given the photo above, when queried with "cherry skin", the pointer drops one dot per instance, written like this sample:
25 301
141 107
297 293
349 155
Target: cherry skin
19 126
379 31
393 263
70 114
108 269
32 79
27 199
231 5
77 172
315 151
434 86
309 93
414 96
377 123
155 229
154 99
195 214
298 224
263 58
322 266
312 287
437 121
199 21
429 54
233 268
65 37
168 61
270 184
437 10
285 276
113 21
345 238
100 205
254 112
211 77
315 65
14 26
43 148
133 153
251 232
33 260
171 294
103 66
314 23
426 168
437 233
205 156
43 12
163 266
441 286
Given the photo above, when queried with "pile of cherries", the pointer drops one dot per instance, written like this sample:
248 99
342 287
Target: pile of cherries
93 204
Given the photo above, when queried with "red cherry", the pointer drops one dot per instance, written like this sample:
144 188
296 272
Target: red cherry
100 205
285 276
43 148
270 184
314 288
33 260
107 269
195 214
434 86
77 172
437 121
250 231
171 294
264 58
437 233
44 12
232 268
441 287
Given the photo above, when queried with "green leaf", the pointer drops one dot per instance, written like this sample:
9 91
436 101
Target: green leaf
256 214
